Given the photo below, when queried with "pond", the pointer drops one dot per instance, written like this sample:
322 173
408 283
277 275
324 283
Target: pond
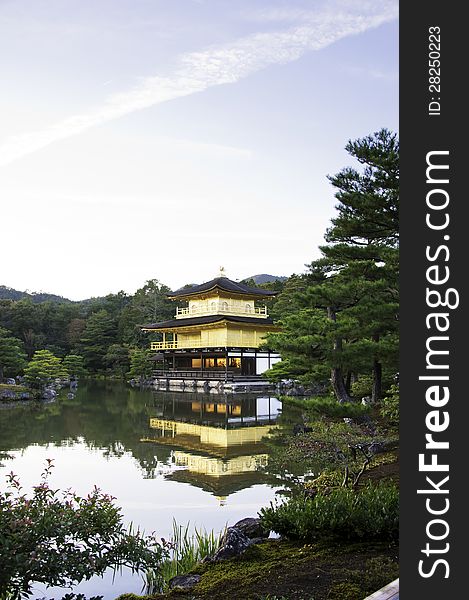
190 457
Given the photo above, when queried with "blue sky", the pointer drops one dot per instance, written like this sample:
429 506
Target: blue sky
148 139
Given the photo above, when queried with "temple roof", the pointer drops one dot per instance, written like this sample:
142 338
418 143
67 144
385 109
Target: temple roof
206 320
225 284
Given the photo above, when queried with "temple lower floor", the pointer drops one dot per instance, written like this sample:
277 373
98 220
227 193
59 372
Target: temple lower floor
215 362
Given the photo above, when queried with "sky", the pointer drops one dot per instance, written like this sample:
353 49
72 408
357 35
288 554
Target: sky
148 139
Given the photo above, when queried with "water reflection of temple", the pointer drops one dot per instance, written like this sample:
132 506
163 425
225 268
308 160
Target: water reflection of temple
216 445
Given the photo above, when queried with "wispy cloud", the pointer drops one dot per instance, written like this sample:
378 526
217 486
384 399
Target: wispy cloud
370 73
198 71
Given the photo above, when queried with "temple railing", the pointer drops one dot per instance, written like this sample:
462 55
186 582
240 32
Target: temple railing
222 308
164 345
194 374
177 345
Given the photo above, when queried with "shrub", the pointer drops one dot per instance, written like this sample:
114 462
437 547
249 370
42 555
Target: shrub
372 512
390 405
362 386
61 539
328 407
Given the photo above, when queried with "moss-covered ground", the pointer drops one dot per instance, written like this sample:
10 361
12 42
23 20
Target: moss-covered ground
278 569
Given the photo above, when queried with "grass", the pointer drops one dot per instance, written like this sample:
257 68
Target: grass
186 551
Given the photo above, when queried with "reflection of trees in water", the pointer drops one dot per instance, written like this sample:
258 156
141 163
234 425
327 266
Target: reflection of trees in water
113 418
106 416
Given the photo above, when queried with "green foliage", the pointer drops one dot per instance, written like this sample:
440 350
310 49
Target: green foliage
141 365
101 329
390 405
344 321
75 365
372 512
39 326
185 551
12 356
62 539
328 407
362 386
117 359
330 453
44 368
148 305
99 334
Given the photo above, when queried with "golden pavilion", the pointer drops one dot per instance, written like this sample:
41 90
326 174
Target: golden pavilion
217 334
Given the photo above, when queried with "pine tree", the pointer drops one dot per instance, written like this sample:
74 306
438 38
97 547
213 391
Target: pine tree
43 369
346 318
12 356
141 365
75 365
363 245
149 305
99 334
117 359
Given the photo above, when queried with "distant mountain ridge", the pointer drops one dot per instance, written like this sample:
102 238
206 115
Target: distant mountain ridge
8 293
265 278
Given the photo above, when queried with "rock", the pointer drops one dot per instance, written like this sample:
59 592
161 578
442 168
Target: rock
252 528
233 543
299 429
184 582
49 394
384 446
10 381
297 390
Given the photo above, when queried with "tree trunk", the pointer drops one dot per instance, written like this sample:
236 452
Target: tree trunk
377 376
338 385
1 373
348 381
337 378
377 381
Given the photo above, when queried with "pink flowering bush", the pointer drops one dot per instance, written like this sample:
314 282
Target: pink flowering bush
60 538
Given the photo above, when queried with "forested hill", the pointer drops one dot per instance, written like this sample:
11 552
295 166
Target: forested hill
8 293
265 278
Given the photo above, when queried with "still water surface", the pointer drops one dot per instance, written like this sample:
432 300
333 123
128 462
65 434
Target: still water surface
190 457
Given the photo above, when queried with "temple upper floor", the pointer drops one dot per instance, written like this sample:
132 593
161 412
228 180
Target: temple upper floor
221 296
221 305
